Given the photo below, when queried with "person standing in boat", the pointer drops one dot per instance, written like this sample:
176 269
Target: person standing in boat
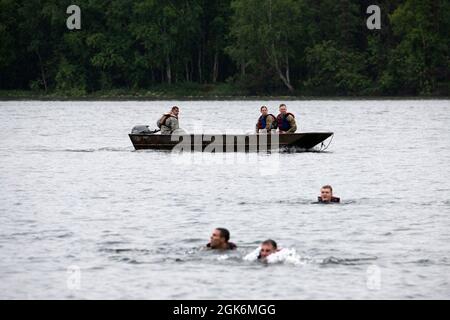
266 121
220 240
286 121
168 123
326 195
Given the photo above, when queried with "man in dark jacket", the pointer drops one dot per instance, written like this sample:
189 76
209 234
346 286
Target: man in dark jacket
326 195
220 240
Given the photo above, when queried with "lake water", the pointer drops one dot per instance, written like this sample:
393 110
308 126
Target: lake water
84 216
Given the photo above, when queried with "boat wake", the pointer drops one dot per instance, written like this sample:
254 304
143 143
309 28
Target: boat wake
302 150
347 261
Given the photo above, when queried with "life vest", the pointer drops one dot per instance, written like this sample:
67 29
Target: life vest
262 121
162 121
283 123
333 199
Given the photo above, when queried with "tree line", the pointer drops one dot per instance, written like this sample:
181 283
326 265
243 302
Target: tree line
302 47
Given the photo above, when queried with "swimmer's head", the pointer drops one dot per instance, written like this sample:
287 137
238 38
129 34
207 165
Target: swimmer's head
219 238
267 248
326 193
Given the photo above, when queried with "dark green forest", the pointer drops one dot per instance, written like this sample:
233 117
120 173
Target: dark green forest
246 47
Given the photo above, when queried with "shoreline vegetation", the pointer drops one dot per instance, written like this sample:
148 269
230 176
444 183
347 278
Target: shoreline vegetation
190 92
230 49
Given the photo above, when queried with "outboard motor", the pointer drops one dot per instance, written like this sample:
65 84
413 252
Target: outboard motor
142 129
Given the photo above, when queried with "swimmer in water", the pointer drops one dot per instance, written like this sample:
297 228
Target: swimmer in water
220 240
326 195
267 248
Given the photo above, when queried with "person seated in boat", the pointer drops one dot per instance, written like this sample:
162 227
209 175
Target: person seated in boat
286 121
220 240
266 122
326 195
267 248
168 123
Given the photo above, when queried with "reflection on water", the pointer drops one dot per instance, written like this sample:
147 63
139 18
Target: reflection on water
80 206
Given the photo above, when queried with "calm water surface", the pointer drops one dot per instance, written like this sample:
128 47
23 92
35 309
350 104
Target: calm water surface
84 216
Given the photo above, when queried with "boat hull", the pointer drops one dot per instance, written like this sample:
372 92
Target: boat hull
229 143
